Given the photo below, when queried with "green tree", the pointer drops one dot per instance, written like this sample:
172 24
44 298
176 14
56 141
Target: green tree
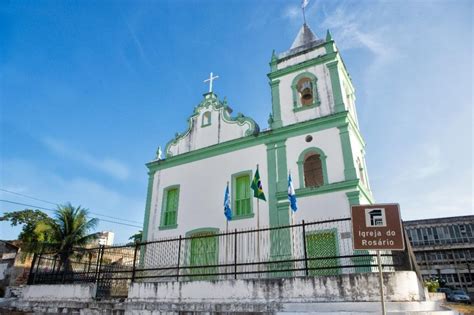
69 228
137 237
30 219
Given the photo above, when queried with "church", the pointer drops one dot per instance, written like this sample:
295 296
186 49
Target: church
313 135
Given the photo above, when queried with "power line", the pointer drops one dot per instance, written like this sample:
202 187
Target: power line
52 210
56 204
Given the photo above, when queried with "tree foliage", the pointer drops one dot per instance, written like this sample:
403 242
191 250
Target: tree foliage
137 237
69 228
30 219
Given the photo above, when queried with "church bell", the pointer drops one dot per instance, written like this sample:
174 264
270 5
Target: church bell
306 91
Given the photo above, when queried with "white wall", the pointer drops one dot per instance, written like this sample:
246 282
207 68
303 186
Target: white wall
220 130
324 88
327 140
202 185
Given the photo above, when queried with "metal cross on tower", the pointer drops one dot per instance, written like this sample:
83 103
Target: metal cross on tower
211 78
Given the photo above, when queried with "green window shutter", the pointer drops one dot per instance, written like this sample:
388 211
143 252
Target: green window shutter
320 245
242 195
171 206
203 253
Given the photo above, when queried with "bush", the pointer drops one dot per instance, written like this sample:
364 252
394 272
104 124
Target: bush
432 285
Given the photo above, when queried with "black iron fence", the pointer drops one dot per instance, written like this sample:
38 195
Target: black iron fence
307 249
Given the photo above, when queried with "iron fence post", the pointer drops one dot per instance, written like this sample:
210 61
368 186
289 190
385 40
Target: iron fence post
99 266
30 275
235 254
134 260
37 267
179 257
305 251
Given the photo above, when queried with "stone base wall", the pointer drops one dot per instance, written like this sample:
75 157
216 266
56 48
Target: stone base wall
401 286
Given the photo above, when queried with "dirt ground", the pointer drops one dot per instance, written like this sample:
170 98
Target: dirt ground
462 308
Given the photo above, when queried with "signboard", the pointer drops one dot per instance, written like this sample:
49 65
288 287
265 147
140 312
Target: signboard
377 227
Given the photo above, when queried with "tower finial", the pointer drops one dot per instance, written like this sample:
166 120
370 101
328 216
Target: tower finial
328 36
304 3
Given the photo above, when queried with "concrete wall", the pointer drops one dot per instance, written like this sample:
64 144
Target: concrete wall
72 292
399 286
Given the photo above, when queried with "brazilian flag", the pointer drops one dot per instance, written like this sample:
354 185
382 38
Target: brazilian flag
257 187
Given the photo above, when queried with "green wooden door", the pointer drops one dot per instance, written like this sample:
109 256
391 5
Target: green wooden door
323 244
204 252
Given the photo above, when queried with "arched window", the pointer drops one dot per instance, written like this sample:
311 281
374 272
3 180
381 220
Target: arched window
206 119
305 91
312 168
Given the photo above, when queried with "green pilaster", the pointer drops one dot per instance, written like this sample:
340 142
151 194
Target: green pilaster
329 45
353 197
349 169
336 86
275 86
278 212
151 175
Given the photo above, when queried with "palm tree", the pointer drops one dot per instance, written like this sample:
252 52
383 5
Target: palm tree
69 228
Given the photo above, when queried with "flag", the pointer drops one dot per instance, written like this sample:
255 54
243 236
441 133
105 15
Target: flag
304 3
257 187
292 194
227 210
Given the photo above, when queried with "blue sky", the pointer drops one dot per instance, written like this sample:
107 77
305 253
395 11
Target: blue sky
89 89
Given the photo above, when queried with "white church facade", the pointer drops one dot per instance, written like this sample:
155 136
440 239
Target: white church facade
313 134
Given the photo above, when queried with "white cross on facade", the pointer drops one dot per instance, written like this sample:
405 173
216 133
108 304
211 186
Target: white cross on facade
211 78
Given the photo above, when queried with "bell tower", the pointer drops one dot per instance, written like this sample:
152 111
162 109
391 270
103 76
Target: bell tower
309 81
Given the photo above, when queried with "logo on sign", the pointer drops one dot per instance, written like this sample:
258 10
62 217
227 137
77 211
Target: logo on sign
375 217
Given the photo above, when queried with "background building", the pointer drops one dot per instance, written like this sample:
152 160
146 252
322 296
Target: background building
444 248
105 238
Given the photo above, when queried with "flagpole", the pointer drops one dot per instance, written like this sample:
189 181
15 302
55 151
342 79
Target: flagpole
226 236
258 234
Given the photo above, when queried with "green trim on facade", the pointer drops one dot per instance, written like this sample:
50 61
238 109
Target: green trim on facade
302 65
366 193
168 227
211 101
201 230
297 106
329 188
356 130
303 108
276 109
300 163
146 219
233 194
273 61
353 197
349 167
278 212
164 201
336 86
279 134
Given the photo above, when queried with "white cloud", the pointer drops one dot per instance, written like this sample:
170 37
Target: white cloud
105 165
354 30
292 12
98 198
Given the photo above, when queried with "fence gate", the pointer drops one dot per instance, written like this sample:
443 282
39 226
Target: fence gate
115 271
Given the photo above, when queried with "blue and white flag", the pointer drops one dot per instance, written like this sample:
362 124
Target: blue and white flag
227 210
292 194
304 3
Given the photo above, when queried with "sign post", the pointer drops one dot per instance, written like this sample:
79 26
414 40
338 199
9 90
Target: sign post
377 227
